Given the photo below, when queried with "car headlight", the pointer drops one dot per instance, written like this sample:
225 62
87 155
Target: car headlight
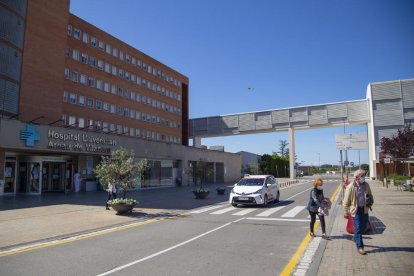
232 191
259 191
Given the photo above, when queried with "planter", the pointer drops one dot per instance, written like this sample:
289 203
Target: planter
201 195
221 191
123 208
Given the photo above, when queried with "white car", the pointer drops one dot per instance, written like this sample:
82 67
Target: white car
255 190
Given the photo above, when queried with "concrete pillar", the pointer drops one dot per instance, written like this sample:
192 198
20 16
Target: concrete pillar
197 142
292 153
372 152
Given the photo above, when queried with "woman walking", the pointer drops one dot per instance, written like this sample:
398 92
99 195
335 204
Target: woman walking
315 202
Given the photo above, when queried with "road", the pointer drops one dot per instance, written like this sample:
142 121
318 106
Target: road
211 240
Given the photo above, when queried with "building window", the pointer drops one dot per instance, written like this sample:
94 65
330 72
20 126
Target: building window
74 76
69 29
106 87
144 66
128 58
126 130
137 132
98 105
115 52
127 75
81 122
144 116
92 61
65 96
67 73
90 103
105 126
73 98
126 111
106 107
138 80
67 51
149 100
83 79
84 58
121 73
75 54
132 114
100 64
107 68
85 37
101 45
131 132
120 110
134 61
144 99
64 119
113 89
82 100
113 111
137 115
114 70
77 33
119 129
99 84
138 98
144 83
112 127
93 41
149 68
121 55
98 125
139 63
108 49
133 78
90 124
91 82
72 120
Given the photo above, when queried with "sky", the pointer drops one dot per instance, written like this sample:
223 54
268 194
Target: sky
244 56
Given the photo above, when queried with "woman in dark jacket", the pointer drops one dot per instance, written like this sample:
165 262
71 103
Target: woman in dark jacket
315 202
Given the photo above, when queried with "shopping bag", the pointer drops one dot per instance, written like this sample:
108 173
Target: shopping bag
350 225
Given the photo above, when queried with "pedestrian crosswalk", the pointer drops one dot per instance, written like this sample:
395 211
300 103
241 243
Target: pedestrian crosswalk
284 213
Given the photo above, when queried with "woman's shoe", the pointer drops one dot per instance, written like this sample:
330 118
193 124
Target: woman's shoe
324 236
312 234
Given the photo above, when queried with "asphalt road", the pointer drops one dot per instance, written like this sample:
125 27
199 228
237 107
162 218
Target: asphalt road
211 240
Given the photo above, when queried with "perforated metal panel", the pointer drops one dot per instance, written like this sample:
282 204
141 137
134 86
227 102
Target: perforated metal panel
358 111
280 116
386 90
408 93
318 116
11 27
9 96
298 115
230 121
337 110
263 120
246 122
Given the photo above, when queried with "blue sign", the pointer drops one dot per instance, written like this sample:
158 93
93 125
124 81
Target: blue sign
296 167
30 134
346 163
352 164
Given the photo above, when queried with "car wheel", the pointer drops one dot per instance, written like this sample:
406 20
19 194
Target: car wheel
264 201
277 197
234 204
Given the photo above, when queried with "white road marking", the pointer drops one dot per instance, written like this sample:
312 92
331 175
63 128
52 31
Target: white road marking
199 211
219 212
270 211
244 212
279 219
293 212
167 249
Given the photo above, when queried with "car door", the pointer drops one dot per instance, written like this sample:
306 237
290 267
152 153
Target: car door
269 189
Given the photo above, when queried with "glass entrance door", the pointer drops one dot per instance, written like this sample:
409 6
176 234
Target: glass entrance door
29 177
53 176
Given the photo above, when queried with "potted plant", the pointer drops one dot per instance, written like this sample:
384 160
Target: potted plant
122 206
122 169
200 171
221 190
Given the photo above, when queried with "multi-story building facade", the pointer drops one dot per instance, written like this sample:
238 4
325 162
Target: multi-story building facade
82 92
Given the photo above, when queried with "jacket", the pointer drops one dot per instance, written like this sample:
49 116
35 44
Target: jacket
350 199
315 200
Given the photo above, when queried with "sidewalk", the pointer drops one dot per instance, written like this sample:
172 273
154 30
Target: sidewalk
390 247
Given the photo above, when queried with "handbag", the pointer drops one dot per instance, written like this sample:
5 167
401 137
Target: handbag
350 225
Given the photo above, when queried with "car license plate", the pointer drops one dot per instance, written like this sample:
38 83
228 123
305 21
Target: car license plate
243 198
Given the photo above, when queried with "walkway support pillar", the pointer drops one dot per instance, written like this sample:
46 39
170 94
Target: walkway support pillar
292 153
197 142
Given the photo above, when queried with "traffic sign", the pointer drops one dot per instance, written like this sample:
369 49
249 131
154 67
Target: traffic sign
351 141
346 163
352 164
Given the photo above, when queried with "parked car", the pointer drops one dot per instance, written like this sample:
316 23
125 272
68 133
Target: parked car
255 190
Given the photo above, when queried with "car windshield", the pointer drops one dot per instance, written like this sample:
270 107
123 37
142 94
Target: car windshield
251 182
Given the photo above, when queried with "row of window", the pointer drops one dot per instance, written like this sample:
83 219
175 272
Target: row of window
112 69
116 90
90 124
99 105
112 51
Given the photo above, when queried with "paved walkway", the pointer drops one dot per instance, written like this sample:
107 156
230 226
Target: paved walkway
390 247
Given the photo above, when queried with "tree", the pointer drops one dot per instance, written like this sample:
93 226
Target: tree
283 148
201 171
121 168
401 144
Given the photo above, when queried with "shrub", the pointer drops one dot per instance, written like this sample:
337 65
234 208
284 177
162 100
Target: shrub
128 201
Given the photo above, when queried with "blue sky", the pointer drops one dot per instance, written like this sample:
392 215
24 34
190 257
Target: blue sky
291 53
